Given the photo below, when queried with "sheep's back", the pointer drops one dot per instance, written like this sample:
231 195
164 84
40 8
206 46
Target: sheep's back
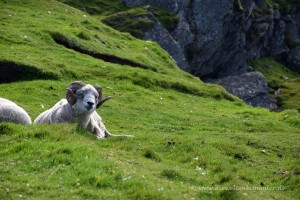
11 112
59 113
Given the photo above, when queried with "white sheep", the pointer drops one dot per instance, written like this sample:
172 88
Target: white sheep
80 106
11 112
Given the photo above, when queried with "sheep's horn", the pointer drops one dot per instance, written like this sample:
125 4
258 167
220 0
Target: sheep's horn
70 96
71 90
76 85
102 101
99 90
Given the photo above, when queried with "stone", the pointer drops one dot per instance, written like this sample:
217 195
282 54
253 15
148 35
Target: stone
161 35
182 34
293 30
214 40
250 87
277 41
294 59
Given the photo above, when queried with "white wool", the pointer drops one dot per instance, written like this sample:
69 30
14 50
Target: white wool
11 112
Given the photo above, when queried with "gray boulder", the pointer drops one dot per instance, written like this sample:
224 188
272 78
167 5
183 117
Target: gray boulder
250 87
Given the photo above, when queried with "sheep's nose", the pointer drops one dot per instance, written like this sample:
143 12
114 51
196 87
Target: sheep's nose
90 103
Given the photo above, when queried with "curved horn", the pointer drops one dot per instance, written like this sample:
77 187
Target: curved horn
99 90
76 85
71 91
102 101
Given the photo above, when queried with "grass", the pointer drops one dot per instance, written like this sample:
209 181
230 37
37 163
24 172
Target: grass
280 77
97 7
192 140
134 20
284 6
137 20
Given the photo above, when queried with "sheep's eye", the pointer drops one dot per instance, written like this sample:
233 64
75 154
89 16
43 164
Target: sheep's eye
79 94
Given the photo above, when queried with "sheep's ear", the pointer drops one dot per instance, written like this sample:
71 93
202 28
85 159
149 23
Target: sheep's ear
99 90
71 97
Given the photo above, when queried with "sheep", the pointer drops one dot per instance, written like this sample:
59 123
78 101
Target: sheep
80 106
11 112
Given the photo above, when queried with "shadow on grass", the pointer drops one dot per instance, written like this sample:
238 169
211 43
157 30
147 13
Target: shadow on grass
13 72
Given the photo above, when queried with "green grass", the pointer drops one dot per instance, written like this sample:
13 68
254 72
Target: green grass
280 77
284 6
139 19
132 20
192 140
97 7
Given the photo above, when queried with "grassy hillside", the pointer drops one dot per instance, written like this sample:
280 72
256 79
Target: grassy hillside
134 20
192 140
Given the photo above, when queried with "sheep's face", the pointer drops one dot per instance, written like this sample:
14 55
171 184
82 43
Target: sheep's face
86 100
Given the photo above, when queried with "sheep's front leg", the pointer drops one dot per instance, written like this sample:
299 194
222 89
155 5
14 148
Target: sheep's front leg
94 128
99 133
102 127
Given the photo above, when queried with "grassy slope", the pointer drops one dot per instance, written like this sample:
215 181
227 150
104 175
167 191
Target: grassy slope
131 20
179 123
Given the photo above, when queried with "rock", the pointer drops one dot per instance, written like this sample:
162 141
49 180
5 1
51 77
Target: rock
182 34
280 155
206 21
261 3
250 87
277 41
273 104
161 35
287 18
277 15
294 59
214 40
281 172
293 30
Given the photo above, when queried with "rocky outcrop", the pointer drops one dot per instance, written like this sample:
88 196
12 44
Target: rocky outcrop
251 87
293 40
217 38
182 34
294 59
161 35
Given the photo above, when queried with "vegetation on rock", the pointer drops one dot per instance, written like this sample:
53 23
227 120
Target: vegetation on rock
281 80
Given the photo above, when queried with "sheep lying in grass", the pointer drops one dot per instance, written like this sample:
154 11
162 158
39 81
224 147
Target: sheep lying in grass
11 112
80 105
